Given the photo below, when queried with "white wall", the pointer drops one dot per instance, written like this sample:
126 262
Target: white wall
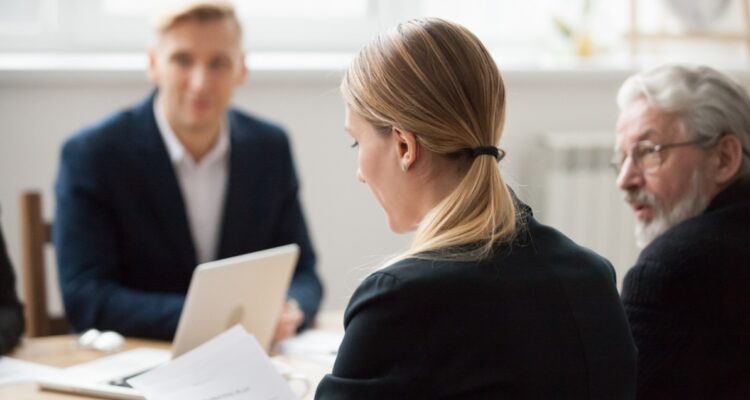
38 110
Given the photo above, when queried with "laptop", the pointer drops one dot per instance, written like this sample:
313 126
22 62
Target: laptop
249 289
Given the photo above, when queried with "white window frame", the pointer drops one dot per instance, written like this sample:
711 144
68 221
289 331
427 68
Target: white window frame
81 26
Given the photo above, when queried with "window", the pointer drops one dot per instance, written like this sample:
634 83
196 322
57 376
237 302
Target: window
529 30
123 25
532 32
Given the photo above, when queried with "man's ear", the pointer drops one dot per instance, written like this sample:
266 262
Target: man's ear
243 70
728 153
151 72
407 147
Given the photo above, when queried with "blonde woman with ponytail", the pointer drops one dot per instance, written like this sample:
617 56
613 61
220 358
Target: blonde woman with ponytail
486 303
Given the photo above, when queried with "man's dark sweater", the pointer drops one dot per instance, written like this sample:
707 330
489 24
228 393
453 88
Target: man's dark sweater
688 302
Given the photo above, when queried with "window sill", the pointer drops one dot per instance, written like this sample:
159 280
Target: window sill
50 68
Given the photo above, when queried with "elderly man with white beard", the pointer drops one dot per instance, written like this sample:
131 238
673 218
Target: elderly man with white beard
683 161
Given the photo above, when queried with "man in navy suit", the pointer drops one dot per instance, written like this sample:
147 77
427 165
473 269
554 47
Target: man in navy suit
178 179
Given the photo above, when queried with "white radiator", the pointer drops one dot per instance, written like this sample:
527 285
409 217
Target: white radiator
579 197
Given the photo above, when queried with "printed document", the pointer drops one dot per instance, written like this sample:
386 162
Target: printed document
231 366
13 370
317 346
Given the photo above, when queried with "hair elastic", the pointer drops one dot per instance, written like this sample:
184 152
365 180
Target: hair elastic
489 151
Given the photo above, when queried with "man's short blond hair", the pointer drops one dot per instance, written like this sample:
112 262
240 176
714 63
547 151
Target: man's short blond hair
194 10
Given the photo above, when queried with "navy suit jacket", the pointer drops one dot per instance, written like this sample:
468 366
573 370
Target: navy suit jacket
124 248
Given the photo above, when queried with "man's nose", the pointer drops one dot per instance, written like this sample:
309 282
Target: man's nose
198 78
630 176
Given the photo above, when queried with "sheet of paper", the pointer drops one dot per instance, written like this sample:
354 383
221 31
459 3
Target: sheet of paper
122 364
317 346
13 370
232 366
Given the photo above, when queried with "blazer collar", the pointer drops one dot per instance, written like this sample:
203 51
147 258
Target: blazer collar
245 194
162 185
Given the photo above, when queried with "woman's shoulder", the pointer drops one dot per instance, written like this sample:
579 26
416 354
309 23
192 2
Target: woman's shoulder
541 256
415 271
543 247
408 277
423 278
401 273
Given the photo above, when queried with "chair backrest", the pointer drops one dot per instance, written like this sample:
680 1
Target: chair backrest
36 234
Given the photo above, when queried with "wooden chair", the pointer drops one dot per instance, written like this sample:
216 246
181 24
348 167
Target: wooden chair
36 233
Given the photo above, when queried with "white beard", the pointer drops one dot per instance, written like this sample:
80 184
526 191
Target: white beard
691 204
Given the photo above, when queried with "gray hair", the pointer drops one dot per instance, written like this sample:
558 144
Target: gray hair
708 103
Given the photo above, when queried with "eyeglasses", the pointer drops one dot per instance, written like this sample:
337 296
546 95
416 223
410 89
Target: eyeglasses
646 155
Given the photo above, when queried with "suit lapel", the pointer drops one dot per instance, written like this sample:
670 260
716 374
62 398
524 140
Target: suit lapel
164 191
241 193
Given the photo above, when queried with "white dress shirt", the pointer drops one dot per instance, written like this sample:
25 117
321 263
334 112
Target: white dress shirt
203 185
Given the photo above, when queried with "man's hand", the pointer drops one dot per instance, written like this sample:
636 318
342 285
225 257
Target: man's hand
290 319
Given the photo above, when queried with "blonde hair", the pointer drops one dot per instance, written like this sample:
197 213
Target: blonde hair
435 79
176 11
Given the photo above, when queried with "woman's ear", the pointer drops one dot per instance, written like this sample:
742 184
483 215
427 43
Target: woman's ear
728 155
407 147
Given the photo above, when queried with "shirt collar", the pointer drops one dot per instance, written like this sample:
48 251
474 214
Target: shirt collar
175 148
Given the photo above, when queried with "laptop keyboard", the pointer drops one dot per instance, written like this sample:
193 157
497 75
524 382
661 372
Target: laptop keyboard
123 382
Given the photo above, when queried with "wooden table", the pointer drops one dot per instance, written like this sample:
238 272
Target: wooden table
60 351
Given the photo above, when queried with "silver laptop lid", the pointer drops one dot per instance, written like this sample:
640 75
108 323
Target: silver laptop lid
249 289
